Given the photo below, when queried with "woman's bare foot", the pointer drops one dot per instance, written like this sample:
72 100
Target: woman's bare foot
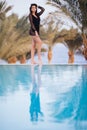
33 62
40 62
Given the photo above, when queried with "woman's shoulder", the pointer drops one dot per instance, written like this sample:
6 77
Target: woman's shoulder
30 15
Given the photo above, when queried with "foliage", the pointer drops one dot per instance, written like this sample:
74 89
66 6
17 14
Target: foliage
70 38
14 38
4 9
77 9
83 7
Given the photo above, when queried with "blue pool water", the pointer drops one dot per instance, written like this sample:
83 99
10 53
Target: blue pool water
43 97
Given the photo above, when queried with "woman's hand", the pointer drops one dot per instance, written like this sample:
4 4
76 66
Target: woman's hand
36 33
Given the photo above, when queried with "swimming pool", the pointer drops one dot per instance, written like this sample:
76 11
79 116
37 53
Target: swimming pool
43 97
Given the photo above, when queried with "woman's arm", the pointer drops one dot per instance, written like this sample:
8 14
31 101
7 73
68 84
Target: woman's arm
42 10
31 22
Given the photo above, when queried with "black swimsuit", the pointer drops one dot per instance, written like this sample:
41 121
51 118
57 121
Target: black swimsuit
35 22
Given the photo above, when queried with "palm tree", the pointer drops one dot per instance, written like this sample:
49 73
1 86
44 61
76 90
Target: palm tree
48 37
14 40
83 7
80 15
4 9
52 35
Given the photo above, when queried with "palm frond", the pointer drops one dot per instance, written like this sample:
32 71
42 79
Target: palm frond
8 9
4 9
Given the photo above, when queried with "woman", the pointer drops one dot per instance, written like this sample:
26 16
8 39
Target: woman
34 18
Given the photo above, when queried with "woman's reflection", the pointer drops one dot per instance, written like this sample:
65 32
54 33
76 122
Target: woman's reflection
35 108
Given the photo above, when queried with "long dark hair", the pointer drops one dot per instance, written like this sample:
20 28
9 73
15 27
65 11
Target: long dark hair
31 7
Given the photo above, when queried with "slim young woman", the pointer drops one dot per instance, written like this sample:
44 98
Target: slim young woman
34 19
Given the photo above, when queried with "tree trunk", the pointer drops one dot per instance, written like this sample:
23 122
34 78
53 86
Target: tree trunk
71 56
23 59
50 54
85 45
12 60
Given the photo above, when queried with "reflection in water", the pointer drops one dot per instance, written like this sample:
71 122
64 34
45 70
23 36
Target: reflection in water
59 91
64 92
81 114
12 77
35 107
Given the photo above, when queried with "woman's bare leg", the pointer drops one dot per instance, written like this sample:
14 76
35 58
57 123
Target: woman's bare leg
39 50
33 52
39 43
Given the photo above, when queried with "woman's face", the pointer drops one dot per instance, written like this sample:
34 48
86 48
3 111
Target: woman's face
33 8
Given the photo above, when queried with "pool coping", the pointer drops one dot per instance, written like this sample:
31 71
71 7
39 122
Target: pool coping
44 64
